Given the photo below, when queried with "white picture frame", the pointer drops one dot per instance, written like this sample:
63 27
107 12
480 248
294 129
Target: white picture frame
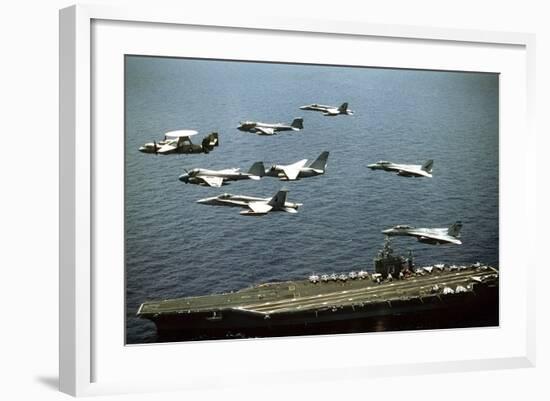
79 343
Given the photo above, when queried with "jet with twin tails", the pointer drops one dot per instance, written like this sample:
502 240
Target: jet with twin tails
217 178
299 169
432 236
260 128
405 170
330 111
254 206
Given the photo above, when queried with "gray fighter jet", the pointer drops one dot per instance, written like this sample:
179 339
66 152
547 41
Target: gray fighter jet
432 236
217 178
298 170
254 206
329 110
405 170
270 129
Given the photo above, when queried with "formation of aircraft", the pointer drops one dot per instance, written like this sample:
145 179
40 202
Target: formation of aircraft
405 170
254 206
329 110
299 169
432 236
180 142
260 128
217 178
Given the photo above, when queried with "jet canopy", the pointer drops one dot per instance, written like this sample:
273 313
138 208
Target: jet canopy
182 133
383 162
401 226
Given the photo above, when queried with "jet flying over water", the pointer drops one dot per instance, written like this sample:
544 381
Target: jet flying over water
299 170
405 170
329 110
432 236
270 129
217 178
254 206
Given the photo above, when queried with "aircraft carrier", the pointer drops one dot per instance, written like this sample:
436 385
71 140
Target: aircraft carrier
396 296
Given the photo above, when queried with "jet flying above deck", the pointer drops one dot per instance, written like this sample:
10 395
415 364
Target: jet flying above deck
254 206
217 178
330 111
260 128
299 169
405 170
180 142
432 236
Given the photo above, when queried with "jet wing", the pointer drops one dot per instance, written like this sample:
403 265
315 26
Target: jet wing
265 131
412 172
442 238
292 170
257 208
331 112
212 181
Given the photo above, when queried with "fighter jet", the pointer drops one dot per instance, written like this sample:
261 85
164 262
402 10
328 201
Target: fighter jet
405 170
270 129
298 170
254 206
329 110
180 142
432 236
217 178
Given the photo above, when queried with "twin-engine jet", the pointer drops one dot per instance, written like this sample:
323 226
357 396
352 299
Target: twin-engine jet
299 170
432 236
254 206
217 178
180 142
405 170
270 129
329 110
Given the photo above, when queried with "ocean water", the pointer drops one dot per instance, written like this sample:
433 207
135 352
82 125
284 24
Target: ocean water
176 247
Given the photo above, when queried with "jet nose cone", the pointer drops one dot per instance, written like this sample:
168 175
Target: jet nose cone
371 165
184 178
388 231
206 201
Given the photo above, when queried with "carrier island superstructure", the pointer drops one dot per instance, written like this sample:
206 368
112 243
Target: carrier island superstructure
396 296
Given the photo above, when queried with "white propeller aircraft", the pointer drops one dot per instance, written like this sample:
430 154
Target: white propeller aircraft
405 170
179 142
329 110
299 170
217 178
254 206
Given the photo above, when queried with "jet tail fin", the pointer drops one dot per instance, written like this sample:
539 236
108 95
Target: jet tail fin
427 167
454 230
279 199
298 123
257 169
343 108
321 162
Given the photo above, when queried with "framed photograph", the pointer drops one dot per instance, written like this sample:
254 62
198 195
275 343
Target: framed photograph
234 192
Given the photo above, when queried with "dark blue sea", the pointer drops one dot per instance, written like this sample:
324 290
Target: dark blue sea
177 248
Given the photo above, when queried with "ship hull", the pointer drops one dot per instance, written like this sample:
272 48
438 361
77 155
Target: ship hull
477 308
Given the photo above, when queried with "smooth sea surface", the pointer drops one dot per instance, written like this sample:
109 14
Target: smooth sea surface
176 247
